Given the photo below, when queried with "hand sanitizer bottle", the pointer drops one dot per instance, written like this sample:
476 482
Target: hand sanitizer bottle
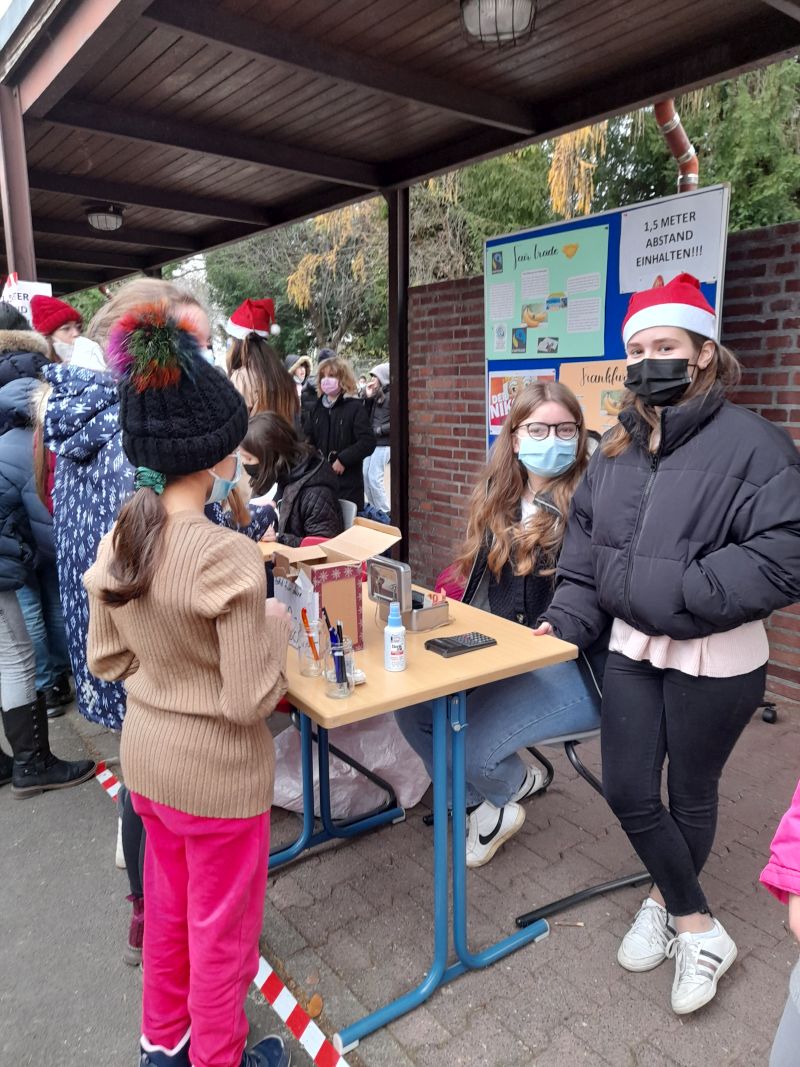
394 640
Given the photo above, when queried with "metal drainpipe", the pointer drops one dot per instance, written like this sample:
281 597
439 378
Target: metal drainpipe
669 122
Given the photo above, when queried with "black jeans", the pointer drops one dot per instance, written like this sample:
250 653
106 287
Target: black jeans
133 842
647 715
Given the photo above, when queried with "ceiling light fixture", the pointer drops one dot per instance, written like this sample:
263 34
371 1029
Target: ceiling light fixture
104 217
498 23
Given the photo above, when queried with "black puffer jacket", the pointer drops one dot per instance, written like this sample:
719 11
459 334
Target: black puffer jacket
696 539
309 504
343 432
379 417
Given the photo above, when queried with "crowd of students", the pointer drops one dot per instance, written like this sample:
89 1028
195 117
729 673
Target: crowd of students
135 478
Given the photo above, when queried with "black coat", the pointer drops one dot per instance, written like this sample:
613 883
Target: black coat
343 432
308 401
696 539
309 503
379 417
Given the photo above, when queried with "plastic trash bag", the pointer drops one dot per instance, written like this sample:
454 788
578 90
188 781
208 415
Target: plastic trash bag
376 744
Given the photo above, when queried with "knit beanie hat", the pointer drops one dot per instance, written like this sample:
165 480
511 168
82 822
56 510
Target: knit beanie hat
49 314
11 319
178 413
381 372
678 303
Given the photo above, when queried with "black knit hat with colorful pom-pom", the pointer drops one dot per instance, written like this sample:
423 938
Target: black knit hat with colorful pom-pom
178 413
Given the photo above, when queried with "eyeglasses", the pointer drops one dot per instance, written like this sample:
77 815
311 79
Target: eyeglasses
540 431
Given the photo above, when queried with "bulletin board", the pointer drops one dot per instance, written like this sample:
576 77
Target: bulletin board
555 296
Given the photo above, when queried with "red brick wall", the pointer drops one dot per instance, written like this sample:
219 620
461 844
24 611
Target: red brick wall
761 323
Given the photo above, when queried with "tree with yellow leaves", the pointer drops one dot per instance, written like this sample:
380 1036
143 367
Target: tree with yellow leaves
345 250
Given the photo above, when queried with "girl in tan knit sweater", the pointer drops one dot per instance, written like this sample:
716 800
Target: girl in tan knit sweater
178 609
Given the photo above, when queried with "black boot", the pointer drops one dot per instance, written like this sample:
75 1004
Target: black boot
58 696
6 765
36 769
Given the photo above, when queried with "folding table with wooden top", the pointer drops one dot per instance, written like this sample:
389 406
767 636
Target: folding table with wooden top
444 682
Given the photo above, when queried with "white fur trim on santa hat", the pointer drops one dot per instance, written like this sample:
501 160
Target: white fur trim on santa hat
241 332
683 315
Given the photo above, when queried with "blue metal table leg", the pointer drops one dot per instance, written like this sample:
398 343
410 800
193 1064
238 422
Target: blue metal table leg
304 841
351 1035
457 715
353 827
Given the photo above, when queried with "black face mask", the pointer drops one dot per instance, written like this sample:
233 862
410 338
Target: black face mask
659 382
252 469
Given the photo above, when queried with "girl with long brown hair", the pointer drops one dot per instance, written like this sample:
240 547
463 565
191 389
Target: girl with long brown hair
306 496
253 365
684 536
178 609
516 523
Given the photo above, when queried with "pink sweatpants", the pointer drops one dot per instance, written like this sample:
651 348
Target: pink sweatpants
204 886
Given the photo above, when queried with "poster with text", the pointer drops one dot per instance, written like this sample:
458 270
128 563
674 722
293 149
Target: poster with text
599 388
547 294
504 385
664 238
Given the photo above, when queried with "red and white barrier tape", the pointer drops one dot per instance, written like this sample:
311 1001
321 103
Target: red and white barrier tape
268 983
107 780
296 1020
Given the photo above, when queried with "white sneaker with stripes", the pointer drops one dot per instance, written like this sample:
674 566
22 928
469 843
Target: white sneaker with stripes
700 962
645 944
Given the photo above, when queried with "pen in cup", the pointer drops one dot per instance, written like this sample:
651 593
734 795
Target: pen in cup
337 642
307 628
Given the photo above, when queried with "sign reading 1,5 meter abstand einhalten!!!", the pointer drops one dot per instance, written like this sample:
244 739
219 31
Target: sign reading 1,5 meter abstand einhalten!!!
555 297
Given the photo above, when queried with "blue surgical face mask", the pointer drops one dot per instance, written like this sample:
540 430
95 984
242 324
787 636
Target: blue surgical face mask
221 489
548 458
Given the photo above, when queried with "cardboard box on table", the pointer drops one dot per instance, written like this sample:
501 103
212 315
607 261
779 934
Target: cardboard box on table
329 575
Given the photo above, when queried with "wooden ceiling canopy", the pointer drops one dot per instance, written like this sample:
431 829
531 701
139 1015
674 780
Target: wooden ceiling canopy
208 122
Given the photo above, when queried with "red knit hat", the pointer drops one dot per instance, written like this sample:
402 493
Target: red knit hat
679 303
49 314
253 316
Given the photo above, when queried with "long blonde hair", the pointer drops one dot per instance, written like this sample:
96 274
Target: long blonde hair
495 501
724 371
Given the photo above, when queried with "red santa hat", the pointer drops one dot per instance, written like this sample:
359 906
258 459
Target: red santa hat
253 316
49 314
678 303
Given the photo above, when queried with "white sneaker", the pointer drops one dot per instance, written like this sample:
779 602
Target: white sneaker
700 962
645 944
532 783
488 828
120 856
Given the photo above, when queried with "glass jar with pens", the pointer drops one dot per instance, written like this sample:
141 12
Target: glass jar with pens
311 652
339 662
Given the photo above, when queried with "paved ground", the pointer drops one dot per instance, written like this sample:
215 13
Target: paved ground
353 924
